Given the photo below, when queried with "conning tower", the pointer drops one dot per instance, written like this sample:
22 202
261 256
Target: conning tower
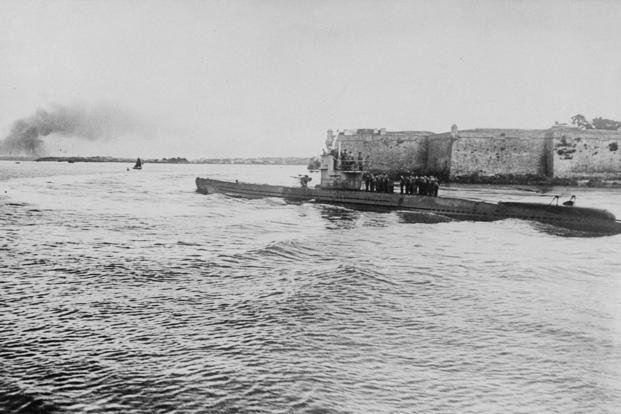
340 173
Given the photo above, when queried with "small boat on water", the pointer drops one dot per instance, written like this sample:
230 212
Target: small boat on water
138 165
343 187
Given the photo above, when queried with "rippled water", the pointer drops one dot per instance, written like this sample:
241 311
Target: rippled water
126 291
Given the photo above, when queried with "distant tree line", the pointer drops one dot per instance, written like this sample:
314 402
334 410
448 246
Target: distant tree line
597 123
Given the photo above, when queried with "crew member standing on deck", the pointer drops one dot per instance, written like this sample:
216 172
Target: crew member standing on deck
414 180
425 185
435 186
304 180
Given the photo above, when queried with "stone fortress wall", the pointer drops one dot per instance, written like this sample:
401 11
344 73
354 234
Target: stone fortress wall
491 155
387 150
586 153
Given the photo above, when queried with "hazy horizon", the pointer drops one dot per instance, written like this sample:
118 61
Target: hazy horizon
251 79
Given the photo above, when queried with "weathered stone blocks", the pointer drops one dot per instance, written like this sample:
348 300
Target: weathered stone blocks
560 153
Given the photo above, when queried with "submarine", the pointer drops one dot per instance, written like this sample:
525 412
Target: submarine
341 185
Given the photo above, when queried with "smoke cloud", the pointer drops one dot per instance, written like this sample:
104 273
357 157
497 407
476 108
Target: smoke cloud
80 121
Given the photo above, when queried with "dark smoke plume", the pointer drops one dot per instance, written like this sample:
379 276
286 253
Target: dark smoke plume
90 122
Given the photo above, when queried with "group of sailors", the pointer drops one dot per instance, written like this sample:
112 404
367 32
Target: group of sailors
421 185
346 160
378 182
408 184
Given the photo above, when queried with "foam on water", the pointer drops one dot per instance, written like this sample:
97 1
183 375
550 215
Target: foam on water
127 291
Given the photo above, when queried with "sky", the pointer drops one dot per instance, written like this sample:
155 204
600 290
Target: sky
268 78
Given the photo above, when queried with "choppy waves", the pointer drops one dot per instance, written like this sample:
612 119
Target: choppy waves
131 293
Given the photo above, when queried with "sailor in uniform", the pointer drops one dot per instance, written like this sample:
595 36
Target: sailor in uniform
304 180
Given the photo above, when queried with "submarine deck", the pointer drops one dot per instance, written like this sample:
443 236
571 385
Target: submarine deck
578 218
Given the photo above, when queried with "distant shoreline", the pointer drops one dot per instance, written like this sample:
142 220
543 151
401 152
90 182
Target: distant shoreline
174 160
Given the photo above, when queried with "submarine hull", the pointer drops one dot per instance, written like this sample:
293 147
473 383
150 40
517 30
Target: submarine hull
575 218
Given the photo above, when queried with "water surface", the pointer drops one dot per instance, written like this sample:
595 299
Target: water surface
127 291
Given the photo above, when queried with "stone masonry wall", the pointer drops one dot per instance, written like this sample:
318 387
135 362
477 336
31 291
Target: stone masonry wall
586 153
439 149
389 150
492 155
490 152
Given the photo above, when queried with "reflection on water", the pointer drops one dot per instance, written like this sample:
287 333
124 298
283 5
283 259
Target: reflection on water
338 217
415 217
564 232
126 291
